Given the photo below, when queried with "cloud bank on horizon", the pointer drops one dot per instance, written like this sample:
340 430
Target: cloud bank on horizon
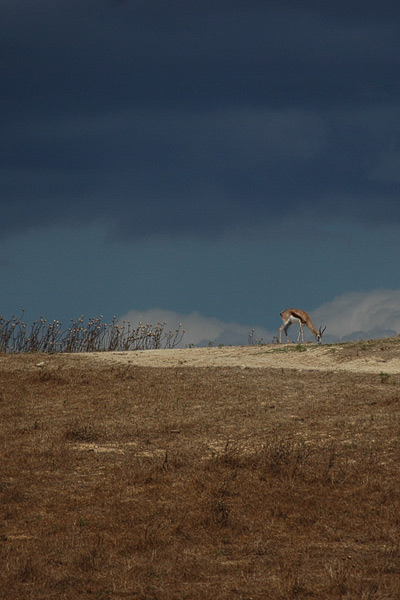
362 315
351 316
199 330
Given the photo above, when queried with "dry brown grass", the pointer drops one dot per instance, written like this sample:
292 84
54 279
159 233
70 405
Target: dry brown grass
214 483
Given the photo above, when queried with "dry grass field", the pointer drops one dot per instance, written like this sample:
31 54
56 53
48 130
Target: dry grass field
250 473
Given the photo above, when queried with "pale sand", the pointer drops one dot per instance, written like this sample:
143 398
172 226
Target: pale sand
314 358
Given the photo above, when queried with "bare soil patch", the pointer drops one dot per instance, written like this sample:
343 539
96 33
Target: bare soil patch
256 472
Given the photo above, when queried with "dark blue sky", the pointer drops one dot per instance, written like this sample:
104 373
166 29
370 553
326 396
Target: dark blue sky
231 158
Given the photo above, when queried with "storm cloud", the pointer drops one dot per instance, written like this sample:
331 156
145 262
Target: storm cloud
198 120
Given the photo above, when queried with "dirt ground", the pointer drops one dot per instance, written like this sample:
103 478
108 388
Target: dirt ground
254 472
374 356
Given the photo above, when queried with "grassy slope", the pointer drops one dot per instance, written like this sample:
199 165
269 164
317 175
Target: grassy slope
129 482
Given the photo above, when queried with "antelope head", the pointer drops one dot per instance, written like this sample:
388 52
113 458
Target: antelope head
319 334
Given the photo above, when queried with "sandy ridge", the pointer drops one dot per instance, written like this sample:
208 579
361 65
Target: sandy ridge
313 358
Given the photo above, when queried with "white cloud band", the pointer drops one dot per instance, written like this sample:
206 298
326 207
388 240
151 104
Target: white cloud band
354 315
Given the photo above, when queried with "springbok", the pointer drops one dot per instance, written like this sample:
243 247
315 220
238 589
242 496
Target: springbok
295 315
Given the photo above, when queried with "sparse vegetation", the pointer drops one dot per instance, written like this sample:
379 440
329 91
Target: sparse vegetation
253 340
118 481
300 348
285 348
93 335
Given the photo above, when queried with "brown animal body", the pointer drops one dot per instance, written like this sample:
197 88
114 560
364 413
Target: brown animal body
296 315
